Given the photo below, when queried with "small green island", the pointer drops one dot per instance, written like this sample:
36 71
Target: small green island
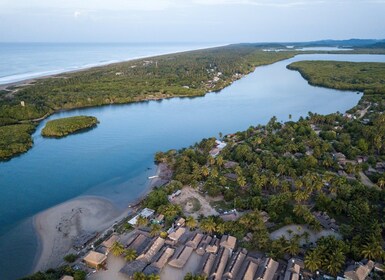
65 126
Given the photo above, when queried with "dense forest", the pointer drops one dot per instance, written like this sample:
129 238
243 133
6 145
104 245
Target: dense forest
62 127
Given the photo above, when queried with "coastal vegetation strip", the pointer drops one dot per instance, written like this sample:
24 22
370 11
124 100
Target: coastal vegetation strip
15 139
361 76
65 126
191 73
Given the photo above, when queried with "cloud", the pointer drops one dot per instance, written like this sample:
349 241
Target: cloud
77 14
262 3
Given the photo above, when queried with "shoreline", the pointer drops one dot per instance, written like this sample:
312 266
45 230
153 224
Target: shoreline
90 213
30 80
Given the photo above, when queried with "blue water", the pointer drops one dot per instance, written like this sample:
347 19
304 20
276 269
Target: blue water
20 61
114 160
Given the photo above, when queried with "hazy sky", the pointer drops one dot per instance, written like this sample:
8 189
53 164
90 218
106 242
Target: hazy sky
222 21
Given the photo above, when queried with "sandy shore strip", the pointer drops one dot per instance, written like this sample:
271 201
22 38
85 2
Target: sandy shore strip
57 226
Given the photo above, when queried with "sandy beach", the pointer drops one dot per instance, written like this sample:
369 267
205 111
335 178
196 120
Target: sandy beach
57 226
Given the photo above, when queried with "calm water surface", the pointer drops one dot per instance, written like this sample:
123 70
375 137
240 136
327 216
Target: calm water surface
114 160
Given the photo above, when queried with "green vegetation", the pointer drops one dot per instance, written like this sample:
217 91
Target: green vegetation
54 274
366 77
63 127
15 139
184 74
70 258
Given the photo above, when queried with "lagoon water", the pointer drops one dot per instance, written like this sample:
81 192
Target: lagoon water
115 159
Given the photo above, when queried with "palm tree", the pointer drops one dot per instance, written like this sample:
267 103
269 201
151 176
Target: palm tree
117 249
335 262
313 261
141 221
372 250
191 223
220 228
155 229
208 225
130 255
153 277
139 276
293 247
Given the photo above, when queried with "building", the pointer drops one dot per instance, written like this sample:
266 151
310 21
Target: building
180 222
181 256
206 264
66 277
235 264
267 269
95 260
292 270
201 249
109 242
138 242
195 240
228 242
135 266
151 250
359 271
248 269
175 235
146 212
213 246
162 258
220 264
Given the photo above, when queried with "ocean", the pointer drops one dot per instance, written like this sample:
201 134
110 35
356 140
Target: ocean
21 61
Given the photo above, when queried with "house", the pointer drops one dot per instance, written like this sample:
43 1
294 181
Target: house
84 239
230 164
292 270
267 269
231 176
162 258
248 269
219 264
206 264
195 240
213 246
159 219
173 195
146 212
228 242
359 271
201 249
95 260
235 264
109 242
138 242
180 222
175 235
66 277
181 256
151 250
135 266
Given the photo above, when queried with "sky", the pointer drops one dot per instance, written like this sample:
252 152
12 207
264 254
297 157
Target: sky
221 21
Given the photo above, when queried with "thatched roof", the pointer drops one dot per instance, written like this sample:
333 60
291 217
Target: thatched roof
152 249
292 270
177 234
248 269
235 264
228 242
66 277
267 269
110 241
220 263
359 271
95 258
206 264
195 240
138 242
162 258
181 256
135 266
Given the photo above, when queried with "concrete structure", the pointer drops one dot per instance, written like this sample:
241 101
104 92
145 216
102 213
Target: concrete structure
146 212
95 260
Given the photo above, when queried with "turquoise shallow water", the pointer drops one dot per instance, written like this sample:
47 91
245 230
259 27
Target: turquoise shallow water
114 159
